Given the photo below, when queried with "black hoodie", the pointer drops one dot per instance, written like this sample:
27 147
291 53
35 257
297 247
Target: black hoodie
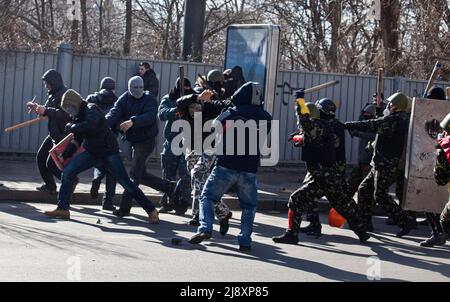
104 99
57 118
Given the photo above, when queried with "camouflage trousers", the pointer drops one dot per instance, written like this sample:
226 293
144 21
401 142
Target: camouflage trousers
326 182
356 177
445 218
200 168
375 188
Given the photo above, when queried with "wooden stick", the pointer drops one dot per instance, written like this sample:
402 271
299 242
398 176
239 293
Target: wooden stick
321 86
433 77
27 123
181 75
379 87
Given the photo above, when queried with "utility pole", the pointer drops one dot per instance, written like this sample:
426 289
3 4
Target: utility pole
194 19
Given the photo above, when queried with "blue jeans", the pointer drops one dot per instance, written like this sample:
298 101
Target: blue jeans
110 185
113 164
219 182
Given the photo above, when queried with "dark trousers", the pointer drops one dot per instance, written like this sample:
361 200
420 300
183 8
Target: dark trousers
110 186
138 172
46 165
113 164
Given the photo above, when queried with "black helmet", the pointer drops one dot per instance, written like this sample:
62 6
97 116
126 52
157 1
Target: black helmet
326 106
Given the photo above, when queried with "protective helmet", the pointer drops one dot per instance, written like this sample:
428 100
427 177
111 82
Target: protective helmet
397 102
436 93
326 106
313 110
445 124
215 76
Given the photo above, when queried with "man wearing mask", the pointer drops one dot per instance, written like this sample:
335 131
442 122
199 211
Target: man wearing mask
170 163
57 120
90 129
134 115
105 99
151 82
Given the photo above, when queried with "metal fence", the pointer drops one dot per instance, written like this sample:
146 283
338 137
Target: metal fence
20 80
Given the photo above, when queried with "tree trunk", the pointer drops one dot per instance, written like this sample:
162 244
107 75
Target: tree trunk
100 34
84 29
390 34
128 17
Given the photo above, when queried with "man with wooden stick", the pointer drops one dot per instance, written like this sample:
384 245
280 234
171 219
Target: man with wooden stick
389 142
57 120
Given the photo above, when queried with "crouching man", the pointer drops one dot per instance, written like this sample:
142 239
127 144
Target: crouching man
90 129
234 171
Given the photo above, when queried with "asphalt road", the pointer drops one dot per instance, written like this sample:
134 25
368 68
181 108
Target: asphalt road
95 246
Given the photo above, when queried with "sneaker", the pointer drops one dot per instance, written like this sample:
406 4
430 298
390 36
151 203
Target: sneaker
58 214
245 248
313 229
153 217
289 237
45 188
409 225
121 213
199 237
195 221
224 224
436 239
94 187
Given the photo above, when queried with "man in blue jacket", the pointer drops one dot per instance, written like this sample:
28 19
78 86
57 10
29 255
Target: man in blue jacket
134 115
170 163
233 171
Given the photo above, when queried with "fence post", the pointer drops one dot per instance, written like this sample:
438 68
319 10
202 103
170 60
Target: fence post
64 62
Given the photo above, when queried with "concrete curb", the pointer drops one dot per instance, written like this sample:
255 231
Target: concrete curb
31 196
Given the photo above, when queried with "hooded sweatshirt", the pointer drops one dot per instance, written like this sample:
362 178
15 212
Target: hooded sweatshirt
246 108
57 118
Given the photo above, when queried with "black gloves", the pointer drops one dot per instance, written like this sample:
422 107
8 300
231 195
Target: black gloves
299 94
68 127
70 150
349 126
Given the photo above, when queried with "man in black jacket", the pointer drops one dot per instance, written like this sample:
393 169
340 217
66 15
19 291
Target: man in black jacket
134 114
90 129
151 82
57 120
105 99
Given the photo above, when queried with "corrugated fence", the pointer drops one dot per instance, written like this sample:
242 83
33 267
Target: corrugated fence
20 80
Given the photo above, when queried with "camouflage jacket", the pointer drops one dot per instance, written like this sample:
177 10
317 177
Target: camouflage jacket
441 168
390 137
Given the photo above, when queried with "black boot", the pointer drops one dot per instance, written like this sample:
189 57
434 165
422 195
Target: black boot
195 221
287 238
369 223
224 224
165 206
363 236
436 239
407 226
94 187
121 213
313 229
107 205
45 188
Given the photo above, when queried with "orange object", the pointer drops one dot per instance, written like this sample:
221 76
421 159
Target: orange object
335 219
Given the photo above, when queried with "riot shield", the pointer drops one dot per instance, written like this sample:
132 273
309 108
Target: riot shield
422 194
